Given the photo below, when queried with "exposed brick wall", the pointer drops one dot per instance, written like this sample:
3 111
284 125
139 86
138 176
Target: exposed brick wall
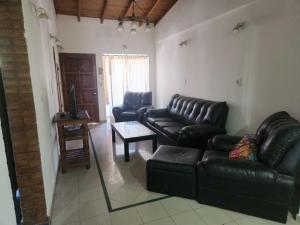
21 112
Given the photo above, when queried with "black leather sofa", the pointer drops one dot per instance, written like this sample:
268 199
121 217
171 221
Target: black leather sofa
134 106
266 188
187 121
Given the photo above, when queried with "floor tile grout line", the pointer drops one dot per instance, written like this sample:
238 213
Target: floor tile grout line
110 209
101 175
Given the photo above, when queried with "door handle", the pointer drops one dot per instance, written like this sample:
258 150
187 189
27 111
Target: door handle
95 93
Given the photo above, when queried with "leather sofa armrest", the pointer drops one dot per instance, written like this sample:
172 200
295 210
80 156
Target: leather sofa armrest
157 113
198 135
245 171
144 109
141 112
224 142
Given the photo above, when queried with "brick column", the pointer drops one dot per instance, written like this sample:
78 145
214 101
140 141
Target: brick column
21 112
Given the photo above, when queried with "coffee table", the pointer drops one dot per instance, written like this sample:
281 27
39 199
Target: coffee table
132 131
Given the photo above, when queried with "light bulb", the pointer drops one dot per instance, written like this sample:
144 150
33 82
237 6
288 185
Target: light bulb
133 31
148 27
134 25
120 27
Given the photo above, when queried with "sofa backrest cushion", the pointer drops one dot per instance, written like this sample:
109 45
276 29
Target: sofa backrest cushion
276 136
197 111
136 100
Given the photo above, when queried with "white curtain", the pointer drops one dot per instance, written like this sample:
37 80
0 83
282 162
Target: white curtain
126 73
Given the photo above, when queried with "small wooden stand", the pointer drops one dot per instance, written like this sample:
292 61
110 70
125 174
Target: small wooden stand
77 156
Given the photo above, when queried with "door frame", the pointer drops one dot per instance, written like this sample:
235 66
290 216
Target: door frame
63 81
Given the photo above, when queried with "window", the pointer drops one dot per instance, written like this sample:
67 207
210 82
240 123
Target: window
124 73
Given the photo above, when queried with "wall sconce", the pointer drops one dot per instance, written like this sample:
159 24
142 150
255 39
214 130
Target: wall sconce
238 27
39 11
183 43
57 42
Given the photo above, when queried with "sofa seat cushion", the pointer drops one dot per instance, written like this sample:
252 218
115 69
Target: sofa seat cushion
172 131
168 124
152 120
211 154
129 115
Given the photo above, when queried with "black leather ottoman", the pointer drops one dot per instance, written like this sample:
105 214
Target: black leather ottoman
172 171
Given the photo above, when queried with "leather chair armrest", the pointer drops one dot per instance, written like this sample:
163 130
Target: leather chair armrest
245 171
157 113
117 110
198 135
224 142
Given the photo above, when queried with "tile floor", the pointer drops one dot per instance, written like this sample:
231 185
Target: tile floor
80 200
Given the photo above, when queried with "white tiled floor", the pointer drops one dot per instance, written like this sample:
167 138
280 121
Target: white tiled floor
79 197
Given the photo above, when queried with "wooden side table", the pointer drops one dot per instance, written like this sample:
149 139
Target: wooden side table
73 157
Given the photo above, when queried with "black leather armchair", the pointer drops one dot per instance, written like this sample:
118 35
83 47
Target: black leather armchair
266 188
134 106
188 122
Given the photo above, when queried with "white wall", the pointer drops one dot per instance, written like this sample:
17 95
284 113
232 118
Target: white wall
44 89
90 36
265 56
7 211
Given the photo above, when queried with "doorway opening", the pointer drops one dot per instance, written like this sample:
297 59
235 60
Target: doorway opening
123 73
79 70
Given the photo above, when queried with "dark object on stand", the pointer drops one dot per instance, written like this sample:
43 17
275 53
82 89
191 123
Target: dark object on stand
73 104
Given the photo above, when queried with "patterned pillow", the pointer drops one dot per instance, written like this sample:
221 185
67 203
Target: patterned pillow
245 149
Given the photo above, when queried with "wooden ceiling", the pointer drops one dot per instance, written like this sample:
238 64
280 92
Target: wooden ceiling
153 10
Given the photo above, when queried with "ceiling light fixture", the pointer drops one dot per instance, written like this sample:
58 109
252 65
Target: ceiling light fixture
135 20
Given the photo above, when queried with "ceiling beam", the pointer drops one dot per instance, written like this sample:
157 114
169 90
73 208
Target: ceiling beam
79 10
153 6
126 10
103 11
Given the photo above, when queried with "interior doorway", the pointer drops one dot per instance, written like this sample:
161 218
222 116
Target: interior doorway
80 70
123 73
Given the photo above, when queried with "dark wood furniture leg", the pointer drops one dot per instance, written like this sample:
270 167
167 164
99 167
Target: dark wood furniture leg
154 144
86 146
62 146
126 151
113 135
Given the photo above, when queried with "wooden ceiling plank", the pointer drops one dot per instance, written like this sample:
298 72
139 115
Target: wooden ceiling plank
153 6
165 12
103 11
79 10
156 2
126 10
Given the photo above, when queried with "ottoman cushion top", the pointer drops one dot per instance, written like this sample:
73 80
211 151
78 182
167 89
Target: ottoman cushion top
176 158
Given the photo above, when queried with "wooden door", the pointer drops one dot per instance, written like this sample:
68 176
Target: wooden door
80 70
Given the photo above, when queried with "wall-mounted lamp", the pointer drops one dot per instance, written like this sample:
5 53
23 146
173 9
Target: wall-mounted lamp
183 43
39 11
238 27
57 42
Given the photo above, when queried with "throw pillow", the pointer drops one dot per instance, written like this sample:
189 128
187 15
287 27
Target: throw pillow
245 149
